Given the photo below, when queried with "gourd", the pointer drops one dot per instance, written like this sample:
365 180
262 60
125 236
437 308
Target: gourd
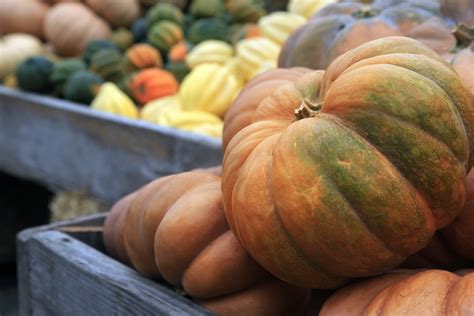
179 51
433 292
108 64
210 51
164 12
463 56
153 109
14 49
70 39
206 29
339 27
239 32
123 38
24 16
244 11
210 88
141 56
254 53
308 185
207 8
307 8
64 69
163 35
458 11
190 204
278 26
152 83
118 13
82 87
179 70
110 99
33 74
95 46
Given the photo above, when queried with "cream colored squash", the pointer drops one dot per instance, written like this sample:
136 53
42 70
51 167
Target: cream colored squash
153 109
210 51
15 48
307 8
278 26
112 100
257 53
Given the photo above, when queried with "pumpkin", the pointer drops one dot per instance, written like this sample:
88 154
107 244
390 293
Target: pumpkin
210 88
152 83
207 8
253 53
141 56
210 51
163 35
70 39
179 70
164 12
108 64
181 4
309 185
179 51
435 34
122 38
463 56
14 49
24 16
205 29
339 27
244 11
110 99
239 32
33 74
429 292
307 8
139 30
459 11
64 69
190 204
278 26
95 46
117 13
82 87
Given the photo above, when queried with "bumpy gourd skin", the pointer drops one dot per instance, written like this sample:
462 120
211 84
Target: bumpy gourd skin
365 182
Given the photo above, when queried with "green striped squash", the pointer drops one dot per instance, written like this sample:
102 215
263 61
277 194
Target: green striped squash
163 35
164 12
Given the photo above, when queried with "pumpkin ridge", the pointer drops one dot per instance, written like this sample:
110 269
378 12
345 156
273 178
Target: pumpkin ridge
448 292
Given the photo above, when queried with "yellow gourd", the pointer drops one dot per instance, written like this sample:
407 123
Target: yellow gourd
255 52
152 110
210 51
210 88
111 99
214 130
307 8
14 49
278 26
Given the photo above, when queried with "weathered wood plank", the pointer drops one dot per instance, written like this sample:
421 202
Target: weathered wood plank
70 147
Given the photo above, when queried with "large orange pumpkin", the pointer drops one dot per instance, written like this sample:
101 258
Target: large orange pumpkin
339 27
406 292
151 84
175 229
346 173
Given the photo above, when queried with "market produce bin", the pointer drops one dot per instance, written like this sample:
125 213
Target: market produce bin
63 270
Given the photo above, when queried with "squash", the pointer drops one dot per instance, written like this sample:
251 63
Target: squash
207 8
179 51
139 30
33 74
122 38
110 99
206 29
435 34
458 11
190 204
163 35
309 185
307 8
278 26
253 53
164 12
151 84
108 64
463 63
141 56
245 11
117 13
24 16
10 81
64 69
210 51
181 4
210 88
70 39
151 111
429 292
239 32
179 70
95 46
339 27
14 49
82 87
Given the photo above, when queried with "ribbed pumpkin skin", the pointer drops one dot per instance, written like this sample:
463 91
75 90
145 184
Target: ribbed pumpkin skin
141 56
278 26
210 51
24 16
206 8
107 64
255 54
118 13
64 69
463 63
403 292
459 11
94 47
164 12
334 30
152 83
206 29
163 35
314 200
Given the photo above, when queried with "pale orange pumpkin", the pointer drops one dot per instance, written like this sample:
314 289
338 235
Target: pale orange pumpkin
22 16
118 13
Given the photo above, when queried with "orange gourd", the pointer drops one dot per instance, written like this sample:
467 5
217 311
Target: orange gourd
151 84
141 56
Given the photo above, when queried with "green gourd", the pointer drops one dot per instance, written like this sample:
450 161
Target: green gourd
163 35
210 28
33 74
108 64
64 69
207 8
82 87
179 70
164 12
95 46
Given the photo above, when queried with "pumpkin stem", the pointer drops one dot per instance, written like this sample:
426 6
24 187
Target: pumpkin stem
464 34
307 109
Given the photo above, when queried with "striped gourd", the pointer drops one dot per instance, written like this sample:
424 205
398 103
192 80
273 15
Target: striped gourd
278 26
163 35
210 51
164 12
256 54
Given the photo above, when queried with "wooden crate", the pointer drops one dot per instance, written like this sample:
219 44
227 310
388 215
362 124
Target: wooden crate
63 270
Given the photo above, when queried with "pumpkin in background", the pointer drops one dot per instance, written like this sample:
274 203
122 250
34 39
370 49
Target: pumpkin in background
307 8
152 83
164 12
309 186
15 48
179 70
402 292
339 27
206 8
112 100
70 39
25 16
163 35
96 46
107 64
245 11
141 56
278 26
206 29
182 4
82 87
33 74
63 70
117 13
122 38
254 53
459 11
190 204
210 51
463 56
179 51
210 88
435 34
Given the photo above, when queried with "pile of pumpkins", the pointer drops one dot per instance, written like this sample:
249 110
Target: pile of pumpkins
174 63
